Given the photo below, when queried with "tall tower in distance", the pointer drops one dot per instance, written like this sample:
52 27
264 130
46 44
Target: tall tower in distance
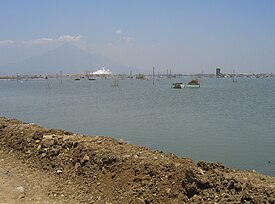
218 71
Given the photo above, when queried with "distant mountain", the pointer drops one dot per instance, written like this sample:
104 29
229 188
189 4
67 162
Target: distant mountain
68 58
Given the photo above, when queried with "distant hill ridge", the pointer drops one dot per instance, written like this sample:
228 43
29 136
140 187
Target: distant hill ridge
67 57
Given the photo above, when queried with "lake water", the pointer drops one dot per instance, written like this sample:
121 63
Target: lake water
233 123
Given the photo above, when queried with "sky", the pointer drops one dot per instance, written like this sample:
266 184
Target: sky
186 36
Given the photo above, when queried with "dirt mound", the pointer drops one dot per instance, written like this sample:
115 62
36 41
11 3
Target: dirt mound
97 169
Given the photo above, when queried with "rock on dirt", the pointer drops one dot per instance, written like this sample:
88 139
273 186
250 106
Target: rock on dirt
63 167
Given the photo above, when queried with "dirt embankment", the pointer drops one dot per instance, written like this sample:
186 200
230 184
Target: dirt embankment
57 166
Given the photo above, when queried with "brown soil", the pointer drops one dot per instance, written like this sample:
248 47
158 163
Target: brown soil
39 165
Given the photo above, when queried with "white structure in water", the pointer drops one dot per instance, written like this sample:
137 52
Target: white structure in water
102 71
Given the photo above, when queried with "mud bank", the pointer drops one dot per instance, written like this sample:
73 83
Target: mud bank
98 169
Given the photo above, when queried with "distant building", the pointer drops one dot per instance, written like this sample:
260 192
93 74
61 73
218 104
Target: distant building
102 71
218 72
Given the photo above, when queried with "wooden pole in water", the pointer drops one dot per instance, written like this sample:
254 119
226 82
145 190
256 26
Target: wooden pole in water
60 76
153 75
234 79
17 77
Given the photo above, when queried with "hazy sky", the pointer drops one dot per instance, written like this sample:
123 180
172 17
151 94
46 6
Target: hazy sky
187 36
